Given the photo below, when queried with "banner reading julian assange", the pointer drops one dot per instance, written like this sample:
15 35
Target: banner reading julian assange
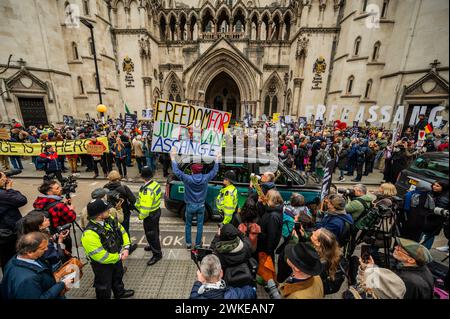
65 147
190 130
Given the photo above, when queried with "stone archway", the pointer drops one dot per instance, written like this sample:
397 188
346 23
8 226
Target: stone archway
223 94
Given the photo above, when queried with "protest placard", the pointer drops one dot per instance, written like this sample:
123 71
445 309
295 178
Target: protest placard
189 129
147 114
4 134
94 149
130 121
145 130
276 117
326 181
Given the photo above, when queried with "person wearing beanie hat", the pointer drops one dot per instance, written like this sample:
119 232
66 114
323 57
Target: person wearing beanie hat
195 189
336 220
148 205
106 244
234 251
227 200
305 281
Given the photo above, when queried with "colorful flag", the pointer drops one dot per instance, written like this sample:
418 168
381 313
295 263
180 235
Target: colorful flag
428 128
127 110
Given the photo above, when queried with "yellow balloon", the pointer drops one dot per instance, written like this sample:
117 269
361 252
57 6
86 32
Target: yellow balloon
101 108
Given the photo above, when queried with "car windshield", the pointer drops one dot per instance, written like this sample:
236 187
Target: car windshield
436 167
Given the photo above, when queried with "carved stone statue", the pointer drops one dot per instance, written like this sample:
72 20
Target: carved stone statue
144 45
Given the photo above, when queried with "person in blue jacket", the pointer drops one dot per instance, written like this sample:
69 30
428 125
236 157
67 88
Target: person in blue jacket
210 285
26 276
195 189
335 217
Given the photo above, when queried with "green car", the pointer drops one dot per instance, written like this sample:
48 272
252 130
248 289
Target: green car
287 182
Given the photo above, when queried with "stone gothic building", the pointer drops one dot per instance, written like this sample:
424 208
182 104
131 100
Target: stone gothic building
262 56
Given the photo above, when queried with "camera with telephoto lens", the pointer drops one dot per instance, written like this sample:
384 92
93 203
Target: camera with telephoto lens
272 289
198 254
347 192
12 172
441 212
113 198
69 185
62 228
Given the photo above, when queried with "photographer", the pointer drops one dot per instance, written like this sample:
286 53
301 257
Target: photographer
10 201
305 282
234 251
58 209
115 211
35 221
26 277
210 285
336 219
360 201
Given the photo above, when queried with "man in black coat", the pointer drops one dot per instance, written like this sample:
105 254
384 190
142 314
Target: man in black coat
10 201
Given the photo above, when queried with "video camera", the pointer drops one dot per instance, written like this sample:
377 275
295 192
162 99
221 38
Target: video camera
441 212
69 185
198 254
12 172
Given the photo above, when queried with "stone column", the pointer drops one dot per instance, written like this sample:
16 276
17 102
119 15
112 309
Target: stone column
248 28
188 31
258 31
177 31
280 32
269 35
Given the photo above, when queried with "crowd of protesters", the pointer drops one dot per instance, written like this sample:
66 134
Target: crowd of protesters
299 246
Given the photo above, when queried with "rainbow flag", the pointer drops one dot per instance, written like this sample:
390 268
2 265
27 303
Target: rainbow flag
428 128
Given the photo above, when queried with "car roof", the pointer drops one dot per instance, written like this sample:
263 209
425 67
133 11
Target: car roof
436 155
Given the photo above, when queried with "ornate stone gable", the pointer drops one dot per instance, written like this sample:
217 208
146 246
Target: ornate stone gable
430 84
25 81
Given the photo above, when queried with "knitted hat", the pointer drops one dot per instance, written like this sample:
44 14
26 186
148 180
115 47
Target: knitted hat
384 283
417 251
99 193
228 232
196 168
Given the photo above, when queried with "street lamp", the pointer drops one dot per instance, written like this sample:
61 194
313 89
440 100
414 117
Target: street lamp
102 109
286 81
91 28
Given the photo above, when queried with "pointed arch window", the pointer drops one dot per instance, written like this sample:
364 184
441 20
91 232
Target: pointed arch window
86 7
75 51
91 46
384 10
376 51
80 86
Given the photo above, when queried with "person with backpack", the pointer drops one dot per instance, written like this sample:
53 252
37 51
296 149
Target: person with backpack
336 219
234 251
58 209
10 202
361 203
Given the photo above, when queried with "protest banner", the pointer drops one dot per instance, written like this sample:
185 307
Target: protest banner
65 147
4 134
191 130
147 114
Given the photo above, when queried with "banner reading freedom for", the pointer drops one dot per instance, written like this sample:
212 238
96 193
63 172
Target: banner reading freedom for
191 130
65 147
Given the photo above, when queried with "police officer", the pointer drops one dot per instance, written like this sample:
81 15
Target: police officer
227 199
106 244
148 204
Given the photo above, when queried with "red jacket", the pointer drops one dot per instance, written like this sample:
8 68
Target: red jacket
60 214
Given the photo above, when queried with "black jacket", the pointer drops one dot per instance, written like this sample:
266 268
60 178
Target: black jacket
419 282
343 159
10 201
125 193
271 228
232 258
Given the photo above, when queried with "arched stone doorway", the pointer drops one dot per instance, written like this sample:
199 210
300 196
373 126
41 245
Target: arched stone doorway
223 94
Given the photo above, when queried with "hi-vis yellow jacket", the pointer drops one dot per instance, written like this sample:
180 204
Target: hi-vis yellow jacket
149 199
104 250
226 202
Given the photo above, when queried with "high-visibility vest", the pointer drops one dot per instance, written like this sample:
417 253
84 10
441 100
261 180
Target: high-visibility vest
97 241
226 202
149 199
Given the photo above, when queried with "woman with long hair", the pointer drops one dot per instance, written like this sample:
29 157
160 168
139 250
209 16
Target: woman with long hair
35 221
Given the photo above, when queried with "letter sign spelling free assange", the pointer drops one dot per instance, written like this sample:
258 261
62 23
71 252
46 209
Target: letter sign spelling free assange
190 130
